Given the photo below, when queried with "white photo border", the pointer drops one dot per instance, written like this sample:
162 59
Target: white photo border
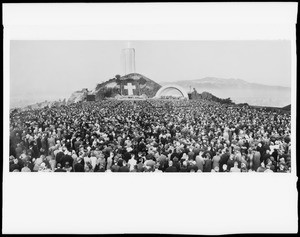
149 203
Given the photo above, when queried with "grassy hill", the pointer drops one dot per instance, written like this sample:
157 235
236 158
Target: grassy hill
111 88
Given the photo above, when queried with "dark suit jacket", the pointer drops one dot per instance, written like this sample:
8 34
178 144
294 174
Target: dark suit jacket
171 169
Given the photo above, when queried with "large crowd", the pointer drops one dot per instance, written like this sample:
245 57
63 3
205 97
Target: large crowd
150 136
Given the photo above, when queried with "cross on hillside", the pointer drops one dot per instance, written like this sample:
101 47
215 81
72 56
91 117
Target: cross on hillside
130 88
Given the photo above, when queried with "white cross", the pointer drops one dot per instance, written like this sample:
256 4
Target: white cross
130 88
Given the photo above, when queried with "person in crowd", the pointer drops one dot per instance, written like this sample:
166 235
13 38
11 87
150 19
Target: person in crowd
216 169
208 163
216 160
59 168
132 163
282 168
171 168
244 167
225 168
26 168
14 165
256 159
235 167
67 167
262 167
124 167
44 168
79 166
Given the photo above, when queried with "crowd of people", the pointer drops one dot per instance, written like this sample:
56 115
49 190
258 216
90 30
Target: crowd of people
150 136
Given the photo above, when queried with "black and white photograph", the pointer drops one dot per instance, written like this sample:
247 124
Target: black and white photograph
198 111
150 106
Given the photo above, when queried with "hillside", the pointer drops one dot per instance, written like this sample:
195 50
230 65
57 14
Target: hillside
208 96
43 104
111 88
78 96
287 108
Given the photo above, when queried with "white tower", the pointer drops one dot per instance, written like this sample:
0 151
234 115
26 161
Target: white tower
129 60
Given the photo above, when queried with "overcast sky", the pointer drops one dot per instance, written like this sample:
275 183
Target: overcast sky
47 69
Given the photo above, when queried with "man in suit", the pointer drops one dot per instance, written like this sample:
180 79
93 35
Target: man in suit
124 167
171 168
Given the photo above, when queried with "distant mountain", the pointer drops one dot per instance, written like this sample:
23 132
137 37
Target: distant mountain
240 91
220 83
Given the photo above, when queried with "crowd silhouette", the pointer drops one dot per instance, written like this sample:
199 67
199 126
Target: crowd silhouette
150 136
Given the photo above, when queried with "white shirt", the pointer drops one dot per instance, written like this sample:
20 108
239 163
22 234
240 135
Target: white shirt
93 160
87 159
132 163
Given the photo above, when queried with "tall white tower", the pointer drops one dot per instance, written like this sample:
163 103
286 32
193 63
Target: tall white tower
128 60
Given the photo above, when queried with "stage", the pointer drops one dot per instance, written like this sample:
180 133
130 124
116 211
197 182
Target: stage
131 97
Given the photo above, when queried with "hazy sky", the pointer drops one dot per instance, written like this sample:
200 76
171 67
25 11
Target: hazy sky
54 69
